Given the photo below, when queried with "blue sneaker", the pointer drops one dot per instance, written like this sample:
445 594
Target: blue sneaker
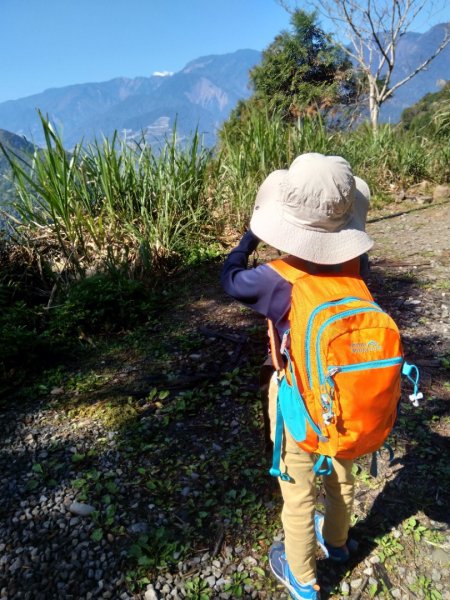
281 570
340 554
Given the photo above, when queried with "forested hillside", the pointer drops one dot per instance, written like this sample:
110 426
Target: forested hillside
18 146
431 113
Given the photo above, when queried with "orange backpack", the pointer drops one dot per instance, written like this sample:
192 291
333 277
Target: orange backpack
339 385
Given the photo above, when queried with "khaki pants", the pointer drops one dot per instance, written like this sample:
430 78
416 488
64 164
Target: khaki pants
299 499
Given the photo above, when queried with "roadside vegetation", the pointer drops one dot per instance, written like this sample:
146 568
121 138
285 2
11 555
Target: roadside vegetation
106 222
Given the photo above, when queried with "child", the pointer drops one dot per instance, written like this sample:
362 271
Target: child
314 211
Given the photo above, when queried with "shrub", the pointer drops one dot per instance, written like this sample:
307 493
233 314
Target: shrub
99 304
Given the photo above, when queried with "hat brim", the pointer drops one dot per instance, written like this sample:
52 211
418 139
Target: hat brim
320 247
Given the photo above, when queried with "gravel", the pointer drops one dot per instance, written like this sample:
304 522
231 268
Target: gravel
48 546
46 549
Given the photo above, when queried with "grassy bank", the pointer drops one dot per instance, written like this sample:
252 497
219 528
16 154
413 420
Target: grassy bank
102 225
112 207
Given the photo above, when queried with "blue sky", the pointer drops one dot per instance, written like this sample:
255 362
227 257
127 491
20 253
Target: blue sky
53 43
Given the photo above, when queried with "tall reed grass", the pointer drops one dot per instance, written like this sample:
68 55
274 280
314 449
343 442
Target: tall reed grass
111 206
392 158
116 208
125 213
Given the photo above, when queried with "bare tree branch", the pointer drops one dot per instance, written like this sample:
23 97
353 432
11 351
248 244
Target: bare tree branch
286 6
425 63
374 28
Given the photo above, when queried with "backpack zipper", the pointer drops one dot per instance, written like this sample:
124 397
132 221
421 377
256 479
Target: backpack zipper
313 315
370 364
337 317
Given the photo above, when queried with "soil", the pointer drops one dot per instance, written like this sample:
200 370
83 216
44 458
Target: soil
204 352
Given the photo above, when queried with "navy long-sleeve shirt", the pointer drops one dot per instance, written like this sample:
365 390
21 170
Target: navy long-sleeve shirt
261 288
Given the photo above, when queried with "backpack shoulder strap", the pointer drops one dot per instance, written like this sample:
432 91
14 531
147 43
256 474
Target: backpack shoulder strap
290 270
319 283
324 282
275 346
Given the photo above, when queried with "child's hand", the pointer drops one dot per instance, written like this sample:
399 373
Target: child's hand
251 241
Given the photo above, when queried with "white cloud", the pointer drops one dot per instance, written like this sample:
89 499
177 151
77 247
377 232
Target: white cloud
162 73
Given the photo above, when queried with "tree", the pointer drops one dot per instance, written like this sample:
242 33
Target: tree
374 28
302 71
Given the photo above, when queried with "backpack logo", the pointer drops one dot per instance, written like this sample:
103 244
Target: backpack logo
362 347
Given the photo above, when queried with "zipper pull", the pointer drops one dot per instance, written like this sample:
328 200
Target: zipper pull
325 401
414 398
328 417
327 406
332 371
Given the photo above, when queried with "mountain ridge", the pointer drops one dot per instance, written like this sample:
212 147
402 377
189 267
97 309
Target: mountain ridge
201 95
204 91
17 146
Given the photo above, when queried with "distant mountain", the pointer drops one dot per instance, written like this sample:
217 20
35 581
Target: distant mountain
20 147
412 50
15 143
202 94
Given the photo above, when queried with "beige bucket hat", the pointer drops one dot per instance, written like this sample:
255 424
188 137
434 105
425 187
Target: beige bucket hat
315 210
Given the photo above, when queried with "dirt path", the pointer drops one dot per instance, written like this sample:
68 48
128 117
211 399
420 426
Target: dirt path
411 279
159 432
419 239
412 255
